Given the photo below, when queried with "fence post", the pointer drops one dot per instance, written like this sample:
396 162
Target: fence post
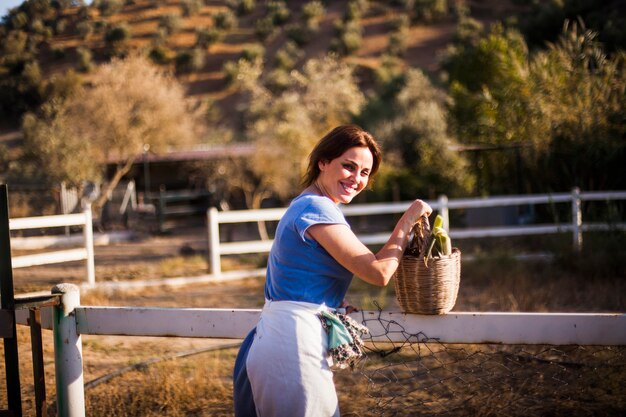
68 353
214 242
88 234
443 210
577 220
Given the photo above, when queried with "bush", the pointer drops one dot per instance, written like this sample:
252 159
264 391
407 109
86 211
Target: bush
279 12
278 80
189 61
160 54
301 34
205 37
84 29
397 43
191 7
116 39
85 63
312 11
430 10
231 70
108 7
253 52
242 7
225 20
349 38
287 56
264 28
170 23
58 52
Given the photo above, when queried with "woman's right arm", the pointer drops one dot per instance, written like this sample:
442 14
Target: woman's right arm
343 245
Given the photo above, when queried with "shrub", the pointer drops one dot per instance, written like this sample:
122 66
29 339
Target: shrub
108 7
278 80
170 23
279 12
84 29
191 7
206 37
349 38
301 34
253 52
60 26
58 52
160 54
287 56
264 28
85 63
430 10
19 20
242 7
225 20
188 61
116 39
397 43
312 11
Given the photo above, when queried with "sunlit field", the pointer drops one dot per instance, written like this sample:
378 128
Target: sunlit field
192 377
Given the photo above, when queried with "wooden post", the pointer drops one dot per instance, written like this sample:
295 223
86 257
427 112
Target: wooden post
443 210
88 233
7 303
577 220
34 322
68 353
214 242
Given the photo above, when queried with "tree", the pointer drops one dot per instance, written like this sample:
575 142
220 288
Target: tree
421 158
493 105
582 96
128 105
285 126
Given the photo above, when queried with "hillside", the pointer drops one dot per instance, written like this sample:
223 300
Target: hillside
423 40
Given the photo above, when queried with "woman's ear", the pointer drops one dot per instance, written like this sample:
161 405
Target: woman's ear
322 164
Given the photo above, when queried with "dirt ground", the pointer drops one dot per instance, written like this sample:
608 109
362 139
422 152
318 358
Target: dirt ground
178 253
182 252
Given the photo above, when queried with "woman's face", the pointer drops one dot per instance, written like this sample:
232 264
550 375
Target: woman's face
342 178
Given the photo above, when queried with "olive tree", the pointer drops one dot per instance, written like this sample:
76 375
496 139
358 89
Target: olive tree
127 106
421 155
285 125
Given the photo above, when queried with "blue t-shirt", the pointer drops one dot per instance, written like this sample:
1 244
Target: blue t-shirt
299 268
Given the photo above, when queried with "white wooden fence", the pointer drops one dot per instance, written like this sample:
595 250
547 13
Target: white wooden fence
86 252
443 205
70 320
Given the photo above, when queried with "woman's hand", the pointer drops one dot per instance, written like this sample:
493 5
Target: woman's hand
349 308
418 209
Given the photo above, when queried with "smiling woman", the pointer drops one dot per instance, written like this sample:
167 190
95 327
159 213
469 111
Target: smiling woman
284 365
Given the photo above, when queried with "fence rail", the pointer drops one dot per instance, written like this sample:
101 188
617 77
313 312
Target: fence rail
69 321
86 253
442 205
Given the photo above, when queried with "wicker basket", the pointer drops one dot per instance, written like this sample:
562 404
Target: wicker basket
427 287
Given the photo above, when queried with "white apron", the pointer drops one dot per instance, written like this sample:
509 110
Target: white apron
287 364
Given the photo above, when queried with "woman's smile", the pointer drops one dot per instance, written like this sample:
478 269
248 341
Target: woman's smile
342 178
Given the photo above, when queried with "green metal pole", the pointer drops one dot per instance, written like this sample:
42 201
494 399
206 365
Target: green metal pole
7 302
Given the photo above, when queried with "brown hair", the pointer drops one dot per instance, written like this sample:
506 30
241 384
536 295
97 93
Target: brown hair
335 143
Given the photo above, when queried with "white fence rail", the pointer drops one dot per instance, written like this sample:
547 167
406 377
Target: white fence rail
443 205
70 320
86 253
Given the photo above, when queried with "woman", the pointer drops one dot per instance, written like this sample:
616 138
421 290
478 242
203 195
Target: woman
283 367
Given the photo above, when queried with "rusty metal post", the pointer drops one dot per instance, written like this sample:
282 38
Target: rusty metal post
39 375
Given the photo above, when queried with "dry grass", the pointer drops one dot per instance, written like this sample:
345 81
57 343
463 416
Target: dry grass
436 380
